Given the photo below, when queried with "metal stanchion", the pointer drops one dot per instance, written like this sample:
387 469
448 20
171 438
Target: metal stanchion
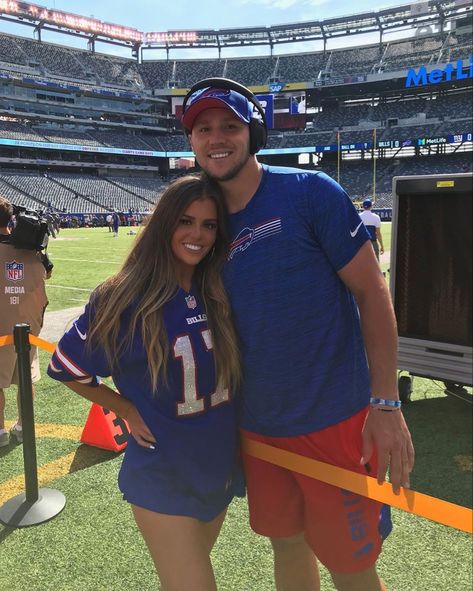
34 506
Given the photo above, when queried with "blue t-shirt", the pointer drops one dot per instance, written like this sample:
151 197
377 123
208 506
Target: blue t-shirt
304 362
193 471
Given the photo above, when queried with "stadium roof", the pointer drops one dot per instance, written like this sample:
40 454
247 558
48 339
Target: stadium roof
416 15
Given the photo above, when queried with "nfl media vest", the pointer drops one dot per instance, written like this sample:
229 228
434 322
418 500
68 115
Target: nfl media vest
22 289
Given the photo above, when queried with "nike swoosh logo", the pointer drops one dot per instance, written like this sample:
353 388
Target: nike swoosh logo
355 231
82 335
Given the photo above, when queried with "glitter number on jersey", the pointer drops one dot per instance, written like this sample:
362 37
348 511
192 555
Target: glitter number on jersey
193 403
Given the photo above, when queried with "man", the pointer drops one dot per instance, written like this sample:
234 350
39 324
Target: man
372 223
22 299
299 259
115 223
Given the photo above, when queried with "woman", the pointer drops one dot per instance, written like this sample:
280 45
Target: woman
161 327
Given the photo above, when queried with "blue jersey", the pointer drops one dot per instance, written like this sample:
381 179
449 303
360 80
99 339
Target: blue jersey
193 470
304 362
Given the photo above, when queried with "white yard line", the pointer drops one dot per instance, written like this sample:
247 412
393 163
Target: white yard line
73 288
86 261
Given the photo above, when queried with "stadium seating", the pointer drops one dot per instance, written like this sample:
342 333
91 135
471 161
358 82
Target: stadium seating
337 118
459 46
117 139
409 132
82 193
361 60
148 189
52 58
188 72
405 54
68 137
395 116
296 140
175 143
18 131
70 63
451 106
250 71
16 195
156 74
399 109
108 70
357 176
100 192
275 140
11 52
79 193
292 68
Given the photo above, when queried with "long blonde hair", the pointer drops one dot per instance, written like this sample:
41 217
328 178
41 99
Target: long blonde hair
148 279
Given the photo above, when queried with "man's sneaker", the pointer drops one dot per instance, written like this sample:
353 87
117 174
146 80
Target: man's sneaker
16 433
4 439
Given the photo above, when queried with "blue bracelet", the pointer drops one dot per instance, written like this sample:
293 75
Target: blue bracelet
382 402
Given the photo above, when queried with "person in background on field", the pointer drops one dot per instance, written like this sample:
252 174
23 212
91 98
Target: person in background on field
115 223
161 327
22 299
318 342
372 223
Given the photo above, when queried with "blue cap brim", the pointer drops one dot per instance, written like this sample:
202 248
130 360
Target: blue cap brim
232 101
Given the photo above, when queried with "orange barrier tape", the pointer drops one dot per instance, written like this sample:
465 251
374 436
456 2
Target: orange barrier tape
42 344
408 500
6 340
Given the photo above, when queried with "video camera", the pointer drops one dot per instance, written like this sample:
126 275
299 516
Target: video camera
31 230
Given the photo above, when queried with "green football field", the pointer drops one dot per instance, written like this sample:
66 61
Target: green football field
94 545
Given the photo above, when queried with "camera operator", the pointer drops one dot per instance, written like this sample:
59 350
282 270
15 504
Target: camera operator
22 299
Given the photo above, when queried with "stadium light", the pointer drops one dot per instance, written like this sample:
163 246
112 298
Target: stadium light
34 12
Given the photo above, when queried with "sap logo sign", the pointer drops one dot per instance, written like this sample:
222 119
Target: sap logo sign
276 86
450 72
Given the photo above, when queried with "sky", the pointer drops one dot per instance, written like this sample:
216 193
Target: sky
164 15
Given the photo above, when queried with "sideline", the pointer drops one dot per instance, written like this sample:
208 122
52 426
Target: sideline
70 288
56 323
95 261
47 473
411 501
50 471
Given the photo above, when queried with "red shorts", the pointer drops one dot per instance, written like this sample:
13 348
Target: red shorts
342 528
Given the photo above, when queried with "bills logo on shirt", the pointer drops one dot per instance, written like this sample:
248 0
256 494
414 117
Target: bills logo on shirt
248 236
191 302
14 271
242 241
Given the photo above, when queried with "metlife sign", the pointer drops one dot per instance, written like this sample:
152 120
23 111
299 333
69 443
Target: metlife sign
460 70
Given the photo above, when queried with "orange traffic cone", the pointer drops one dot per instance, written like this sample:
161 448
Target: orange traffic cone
104 429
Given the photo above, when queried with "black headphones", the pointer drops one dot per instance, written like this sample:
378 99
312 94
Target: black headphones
258 129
